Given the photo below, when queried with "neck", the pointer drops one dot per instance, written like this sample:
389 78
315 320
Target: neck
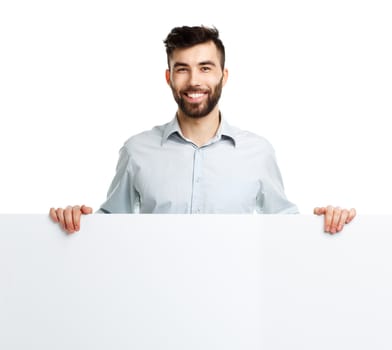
199 130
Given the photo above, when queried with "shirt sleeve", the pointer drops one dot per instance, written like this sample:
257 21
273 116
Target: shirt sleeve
122 196
271 198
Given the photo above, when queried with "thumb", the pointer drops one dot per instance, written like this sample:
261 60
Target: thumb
319 211
86 210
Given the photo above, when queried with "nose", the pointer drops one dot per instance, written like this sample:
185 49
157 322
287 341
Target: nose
194 78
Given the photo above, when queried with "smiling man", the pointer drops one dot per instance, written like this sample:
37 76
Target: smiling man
197 82
197 163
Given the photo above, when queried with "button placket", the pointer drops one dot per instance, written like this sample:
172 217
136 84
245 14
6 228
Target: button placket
196 205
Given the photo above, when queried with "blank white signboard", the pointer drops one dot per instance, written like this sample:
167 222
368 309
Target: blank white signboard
244 282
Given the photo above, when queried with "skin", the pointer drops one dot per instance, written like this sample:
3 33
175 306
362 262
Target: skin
69 218
196 78
335 217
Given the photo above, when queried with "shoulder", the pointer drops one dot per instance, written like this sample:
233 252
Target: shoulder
251 140
148 138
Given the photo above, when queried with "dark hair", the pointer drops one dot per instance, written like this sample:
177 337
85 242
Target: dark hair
183 37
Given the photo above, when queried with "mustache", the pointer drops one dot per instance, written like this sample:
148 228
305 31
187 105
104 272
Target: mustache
194 89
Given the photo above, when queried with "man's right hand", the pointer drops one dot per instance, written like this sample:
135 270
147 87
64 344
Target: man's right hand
69 218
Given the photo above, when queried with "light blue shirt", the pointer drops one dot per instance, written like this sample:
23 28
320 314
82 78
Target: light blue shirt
160 171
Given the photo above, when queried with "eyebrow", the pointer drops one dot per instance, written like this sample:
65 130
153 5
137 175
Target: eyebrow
207 63
203 63
180 64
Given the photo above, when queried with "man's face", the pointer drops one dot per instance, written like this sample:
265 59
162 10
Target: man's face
196 79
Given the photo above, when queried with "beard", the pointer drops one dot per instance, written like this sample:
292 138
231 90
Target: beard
202 109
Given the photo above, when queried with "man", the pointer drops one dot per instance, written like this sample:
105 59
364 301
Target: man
197 163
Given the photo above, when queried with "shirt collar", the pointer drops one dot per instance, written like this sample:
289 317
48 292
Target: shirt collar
225 131
171 128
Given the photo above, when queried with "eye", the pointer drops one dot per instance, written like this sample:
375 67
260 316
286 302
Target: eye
205 69
181 70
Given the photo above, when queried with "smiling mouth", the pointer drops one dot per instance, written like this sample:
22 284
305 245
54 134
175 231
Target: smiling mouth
195 96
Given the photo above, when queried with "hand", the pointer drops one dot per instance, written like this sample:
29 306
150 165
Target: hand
69 218
335 218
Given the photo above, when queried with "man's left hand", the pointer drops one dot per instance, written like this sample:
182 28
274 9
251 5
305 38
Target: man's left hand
335 217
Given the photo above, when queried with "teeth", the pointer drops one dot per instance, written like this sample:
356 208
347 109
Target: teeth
195 95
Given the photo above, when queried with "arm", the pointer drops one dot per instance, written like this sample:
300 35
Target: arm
271 198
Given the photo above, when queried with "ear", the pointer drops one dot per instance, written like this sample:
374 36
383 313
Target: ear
167 74
225 76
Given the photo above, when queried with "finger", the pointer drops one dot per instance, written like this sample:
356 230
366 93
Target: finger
342 220
86 210
68 220
351 215
60 217
328 215
336 212
53 215
318 211
76 212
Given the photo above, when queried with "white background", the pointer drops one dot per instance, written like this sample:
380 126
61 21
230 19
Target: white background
77 78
